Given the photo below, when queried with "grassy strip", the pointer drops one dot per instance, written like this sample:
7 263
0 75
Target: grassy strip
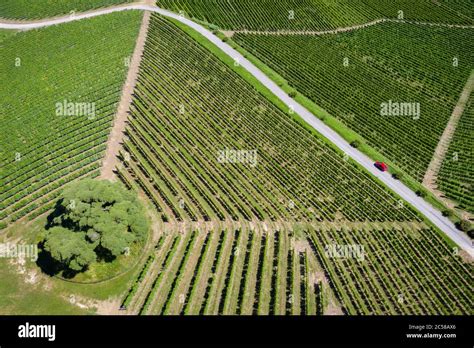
137 282
266 295
6 33
154 288
165 309
232 295
218 274
199 292
198 270
248 295
310 298
280 291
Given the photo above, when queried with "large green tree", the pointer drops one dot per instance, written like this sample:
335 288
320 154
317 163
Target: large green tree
68 248
95 220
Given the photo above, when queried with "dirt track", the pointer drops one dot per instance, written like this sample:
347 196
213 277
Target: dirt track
120 121
431 175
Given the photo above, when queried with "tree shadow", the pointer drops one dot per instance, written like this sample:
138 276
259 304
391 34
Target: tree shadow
104 255
47 264
52 267
56 213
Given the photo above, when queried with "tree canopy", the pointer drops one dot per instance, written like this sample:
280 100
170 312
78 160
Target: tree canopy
94 220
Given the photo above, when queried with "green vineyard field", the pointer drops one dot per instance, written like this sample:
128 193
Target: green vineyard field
351 75
243 239
444 11
35 9
44 149
237 206
4 33
182 117
464 8
241 271
260 270
456 176
315 14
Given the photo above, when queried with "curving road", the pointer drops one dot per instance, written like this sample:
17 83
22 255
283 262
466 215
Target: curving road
435 216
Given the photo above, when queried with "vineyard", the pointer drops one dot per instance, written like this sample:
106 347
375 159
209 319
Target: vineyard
186 116
464 8
315 14
256 269
444 11
237 238
5 33
252 211
405 271
27 9
48 144
229 271
456 177
352 75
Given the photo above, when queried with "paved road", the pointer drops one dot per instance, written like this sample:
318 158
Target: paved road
435 216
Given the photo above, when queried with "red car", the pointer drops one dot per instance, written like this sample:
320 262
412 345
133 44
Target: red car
381 166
